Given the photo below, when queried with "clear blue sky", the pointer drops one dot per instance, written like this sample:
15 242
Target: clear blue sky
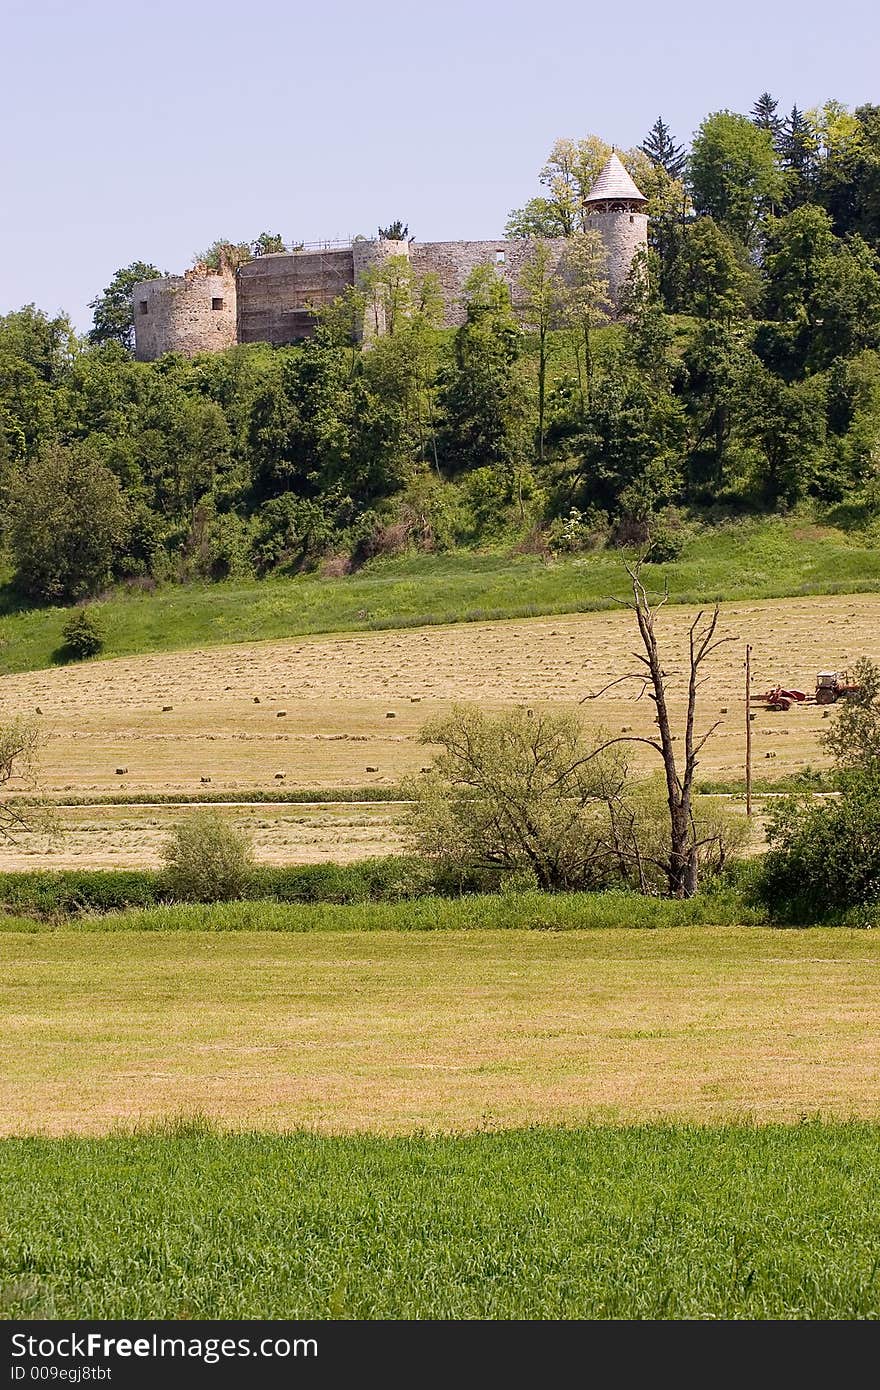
143 131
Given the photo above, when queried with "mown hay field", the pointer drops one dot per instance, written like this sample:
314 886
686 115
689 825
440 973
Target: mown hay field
398 1032
346 711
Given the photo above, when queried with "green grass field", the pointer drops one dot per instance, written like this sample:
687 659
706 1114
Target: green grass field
754 559
646 1222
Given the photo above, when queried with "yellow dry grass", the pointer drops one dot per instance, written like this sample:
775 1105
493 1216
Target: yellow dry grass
126 837
394 1032
324 703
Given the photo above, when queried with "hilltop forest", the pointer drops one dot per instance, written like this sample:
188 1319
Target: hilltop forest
743 377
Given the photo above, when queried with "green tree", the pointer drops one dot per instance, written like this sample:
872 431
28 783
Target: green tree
711 276
734 174
539 304
584 302
208 860
798 156
854 738
68 522
47 345
526 796
113 310
765 116
395 231
660 147
482 396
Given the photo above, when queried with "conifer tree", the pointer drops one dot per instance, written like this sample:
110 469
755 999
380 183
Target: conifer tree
660 146
764 116
797 151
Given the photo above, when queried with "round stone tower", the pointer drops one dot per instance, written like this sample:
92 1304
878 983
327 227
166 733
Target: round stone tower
616 209
189 313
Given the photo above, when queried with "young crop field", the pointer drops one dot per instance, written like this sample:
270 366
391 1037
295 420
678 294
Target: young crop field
400 1031
664 1221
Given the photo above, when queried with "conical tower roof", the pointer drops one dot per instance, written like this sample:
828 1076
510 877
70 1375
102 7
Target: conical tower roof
615 184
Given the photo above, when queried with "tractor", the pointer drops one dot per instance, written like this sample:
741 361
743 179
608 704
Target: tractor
832 686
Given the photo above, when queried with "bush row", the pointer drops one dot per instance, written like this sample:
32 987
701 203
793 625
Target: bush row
49 892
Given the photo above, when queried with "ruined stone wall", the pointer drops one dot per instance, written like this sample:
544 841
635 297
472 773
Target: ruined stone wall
624 233
453 261
366 255
190 313
274 292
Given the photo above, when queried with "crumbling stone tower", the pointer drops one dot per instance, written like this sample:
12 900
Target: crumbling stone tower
189 313
616 210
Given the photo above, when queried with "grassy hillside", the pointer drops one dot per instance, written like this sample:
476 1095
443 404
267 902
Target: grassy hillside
650 1222
754 559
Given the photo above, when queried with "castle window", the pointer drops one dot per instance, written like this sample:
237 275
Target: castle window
216 303
143 306
500 257
631 218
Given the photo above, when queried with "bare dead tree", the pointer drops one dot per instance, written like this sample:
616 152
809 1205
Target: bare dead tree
682 867
20 741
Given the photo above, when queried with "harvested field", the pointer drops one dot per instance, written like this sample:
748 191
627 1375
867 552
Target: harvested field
123 837
335 695
395 1032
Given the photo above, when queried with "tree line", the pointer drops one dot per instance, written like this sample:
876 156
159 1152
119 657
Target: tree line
745 374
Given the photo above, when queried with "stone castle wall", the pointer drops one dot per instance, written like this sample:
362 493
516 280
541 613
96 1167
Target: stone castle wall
274 292
269 300
453 261
190 313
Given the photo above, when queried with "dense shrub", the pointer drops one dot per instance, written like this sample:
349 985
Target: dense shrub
825 856
83 635
208 860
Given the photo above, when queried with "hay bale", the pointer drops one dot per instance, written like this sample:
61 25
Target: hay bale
121 771
166 709
390 714
369 768
281 714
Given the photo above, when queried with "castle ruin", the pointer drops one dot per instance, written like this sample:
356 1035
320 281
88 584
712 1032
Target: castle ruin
271 299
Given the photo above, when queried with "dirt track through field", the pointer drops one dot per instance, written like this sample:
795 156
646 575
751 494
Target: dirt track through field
346 711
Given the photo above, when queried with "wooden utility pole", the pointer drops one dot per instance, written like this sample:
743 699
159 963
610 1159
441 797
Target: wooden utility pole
748 730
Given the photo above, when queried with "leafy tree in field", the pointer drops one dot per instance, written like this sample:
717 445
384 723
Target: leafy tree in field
113 311
734 174
854 737
825 859
68 522
82 634
523 796
660 147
